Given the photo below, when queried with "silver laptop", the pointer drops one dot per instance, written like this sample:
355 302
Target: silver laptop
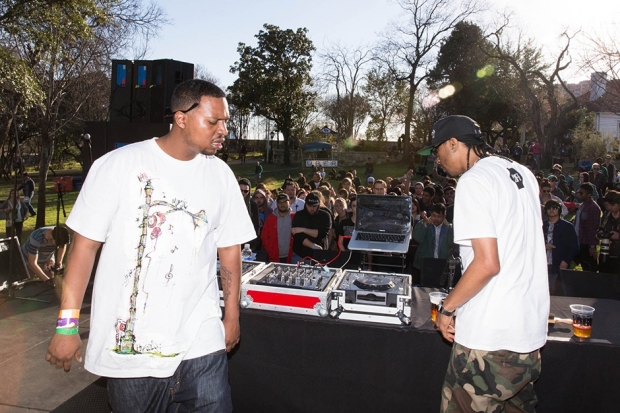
383 223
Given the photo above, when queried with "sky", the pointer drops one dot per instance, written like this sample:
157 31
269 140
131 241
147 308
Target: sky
207 32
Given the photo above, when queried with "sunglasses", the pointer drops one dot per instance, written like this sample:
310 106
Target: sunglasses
434 150
245 191
546 192
554 207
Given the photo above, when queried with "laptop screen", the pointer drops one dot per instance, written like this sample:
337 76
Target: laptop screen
388 214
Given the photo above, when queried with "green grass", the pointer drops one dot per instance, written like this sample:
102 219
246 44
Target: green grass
51 202
274 175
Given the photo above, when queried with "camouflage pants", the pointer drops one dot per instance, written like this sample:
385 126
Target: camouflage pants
490 381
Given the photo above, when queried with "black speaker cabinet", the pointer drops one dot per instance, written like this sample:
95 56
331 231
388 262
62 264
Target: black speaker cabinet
121 91
142 89
166 75
141 92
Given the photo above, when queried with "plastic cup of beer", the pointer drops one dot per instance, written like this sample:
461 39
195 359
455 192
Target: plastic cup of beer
436 298
582 320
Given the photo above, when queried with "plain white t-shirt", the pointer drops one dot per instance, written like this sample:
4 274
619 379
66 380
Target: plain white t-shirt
498 199
162 221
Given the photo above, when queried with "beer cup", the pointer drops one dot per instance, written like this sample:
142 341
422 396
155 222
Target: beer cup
582 320
436 298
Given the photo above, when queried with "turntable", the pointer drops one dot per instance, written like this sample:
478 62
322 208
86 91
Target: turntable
299 289
248 269
372 296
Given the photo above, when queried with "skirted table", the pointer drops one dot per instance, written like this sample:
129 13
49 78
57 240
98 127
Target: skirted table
289 363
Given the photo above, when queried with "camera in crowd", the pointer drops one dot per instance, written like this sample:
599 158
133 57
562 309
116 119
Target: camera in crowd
605 238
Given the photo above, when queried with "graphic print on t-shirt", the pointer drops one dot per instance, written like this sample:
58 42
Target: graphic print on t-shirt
516 178
154 215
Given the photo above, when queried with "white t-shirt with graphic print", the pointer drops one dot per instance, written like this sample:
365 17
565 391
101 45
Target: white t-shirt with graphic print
155 299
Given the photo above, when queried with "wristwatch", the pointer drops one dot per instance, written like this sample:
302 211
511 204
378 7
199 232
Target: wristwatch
440 310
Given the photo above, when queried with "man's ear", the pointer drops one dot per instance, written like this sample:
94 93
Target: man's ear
180 119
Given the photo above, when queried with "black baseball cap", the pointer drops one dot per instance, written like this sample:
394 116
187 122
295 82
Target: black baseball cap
312 199
455 126
282 197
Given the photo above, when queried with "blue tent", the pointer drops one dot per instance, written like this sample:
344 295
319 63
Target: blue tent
319 153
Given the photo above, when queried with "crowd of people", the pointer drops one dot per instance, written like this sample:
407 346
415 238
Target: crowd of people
586 206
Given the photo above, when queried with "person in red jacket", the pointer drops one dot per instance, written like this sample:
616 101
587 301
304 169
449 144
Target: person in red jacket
276 235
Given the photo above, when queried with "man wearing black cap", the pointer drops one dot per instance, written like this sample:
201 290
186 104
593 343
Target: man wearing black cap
502 297
553 180
561 241
276 236
310 228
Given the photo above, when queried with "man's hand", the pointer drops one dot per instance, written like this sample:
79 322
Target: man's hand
549 246
63 349
563 265
232 332
445 325
297 230
425 220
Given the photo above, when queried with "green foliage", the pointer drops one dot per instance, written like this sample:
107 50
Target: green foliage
587 141
17 80
471 83
274 78
388 99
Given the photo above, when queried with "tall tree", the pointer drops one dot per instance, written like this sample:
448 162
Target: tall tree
540 82
343 73
274 79
410 46
479 86
64 44
347 112
388 99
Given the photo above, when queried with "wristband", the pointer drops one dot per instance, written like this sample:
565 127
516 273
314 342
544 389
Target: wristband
67 331
68 321
313 246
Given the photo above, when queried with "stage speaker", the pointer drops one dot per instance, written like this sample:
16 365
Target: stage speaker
121 91
166 74
142 89
141 92
8 247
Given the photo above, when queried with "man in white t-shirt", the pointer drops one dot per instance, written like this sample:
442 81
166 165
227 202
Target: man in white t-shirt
503 296
290 189
155 329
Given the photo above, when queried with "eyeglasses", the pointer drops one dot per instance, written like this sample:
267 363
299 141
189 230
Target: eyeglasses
554 207
190 108
434 150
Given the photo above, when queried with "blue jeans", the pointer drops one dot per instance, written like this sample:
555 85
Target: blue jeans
198 385
295 258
